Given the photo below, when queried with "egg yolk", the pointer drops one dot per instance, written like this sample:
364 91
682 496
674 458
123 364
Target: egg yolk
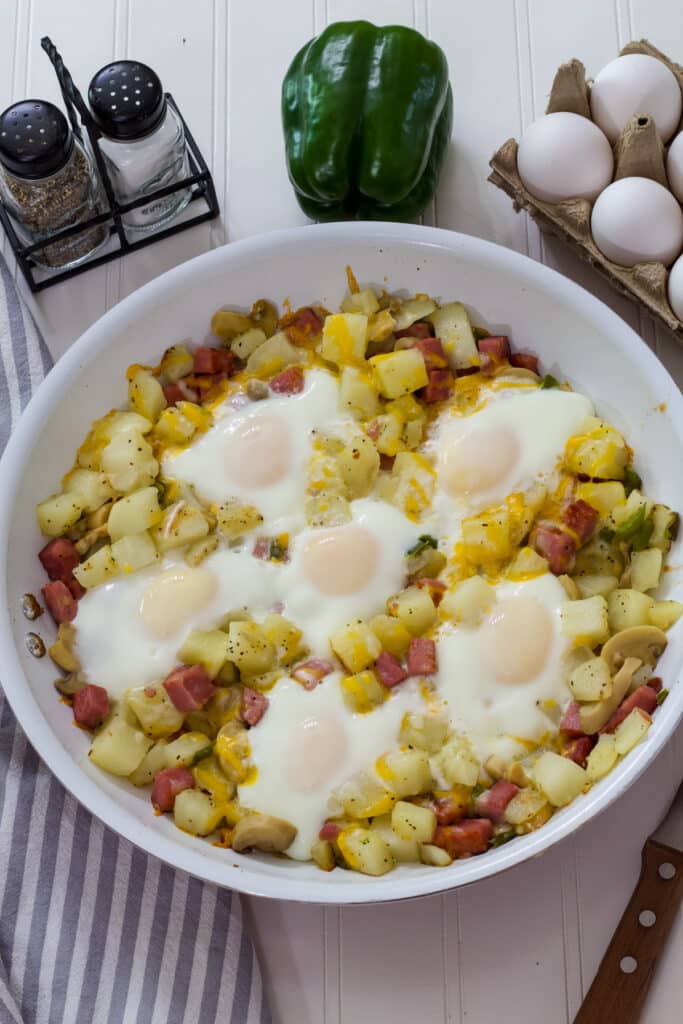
173 597
477 461
258 452
341 562
516 640
316 753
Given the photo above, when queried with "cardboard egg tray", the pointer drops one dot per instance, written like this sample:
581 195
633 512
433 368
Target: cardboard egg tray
639 152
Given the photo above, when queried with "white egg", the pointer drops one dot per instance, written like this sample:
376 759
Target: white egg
260 452
636 220
675 287
346 572
308 743
636 84
564 156
129 631
674 167
502 680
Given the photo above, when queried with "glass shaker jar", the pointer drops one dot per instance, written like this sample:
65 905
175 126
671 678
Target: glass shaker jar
143 141
47 183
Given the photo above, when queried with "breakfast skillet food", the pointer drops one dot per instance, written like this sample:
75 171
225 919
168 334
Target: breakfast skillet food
362 587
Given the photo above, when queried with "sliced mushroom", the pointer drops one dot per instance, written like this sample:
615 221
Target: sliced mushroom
62 650
643 642
228 323
263 832
71 684
89 539
99 516
570 587
595 714
264 315
257 390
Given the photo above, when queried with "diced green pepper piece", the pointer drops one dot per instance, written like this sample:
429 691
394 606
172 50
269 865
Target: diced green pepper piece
631 525
632 480
424 541
550 382
641 538
661 696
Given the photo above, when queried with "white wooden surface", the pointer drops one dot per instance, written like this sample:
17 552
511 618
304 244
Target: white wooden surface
523 947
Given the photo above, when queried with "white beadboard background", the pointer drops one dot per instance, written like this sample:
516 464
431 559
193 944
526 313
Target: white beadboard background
523 947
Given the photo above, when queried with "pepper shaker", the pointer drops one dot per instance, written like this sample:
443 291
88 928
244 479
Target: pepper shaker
143 141
47 182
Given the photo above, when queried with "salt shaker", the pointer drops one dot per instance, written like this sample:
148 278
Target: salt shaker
143 141
47 183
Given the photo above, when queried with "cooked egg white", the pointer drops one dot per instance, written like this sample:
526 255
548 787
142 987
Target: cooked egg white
308 743
503 680
259 453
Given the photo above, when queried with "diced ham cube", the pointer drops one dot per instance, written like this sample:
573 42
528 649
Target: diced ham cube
655 683
557 546
418 330
581 518
329 831
436 588
448 810
571 720
59 558
465 839
189 687
421 656
261 548
439 387
179 391
493 351
312 672
432 352
579 749
389 670
386 462
214 360
60 602
167 784
304 325
91 705
253 706
373 430
525 361
467 371
289 382
492 803
76 589
644 698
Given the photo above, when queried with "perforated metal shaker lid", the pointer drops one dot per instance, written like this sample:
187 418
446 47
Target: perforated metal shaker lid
127 100
35 139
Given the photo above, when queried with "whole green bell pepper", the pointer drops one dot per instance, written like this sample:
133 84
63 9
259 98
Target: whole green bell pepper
367 115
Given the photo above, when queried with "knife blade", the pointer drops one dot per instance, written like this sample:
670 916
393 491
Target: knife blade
623 979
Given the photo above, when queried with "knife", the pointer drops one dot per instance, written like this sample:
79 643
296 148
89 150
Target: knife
623 979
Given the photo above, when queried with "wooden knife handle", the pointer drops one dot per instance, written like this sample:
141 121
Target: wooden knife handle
620 987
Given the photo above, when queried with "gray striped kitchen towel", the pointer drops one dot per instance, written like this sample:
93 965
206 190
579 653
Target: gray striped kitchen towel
92 930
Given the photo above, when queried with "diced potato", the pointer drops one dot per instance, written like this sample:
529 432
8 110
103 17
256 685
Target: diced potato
592 584
200 418
92 487
406 772
176 362
585 620
452 325
59 513
62 650
356 646
434 856
599 557
387 431
525 805
357 392
595 714
600 452
408 409
207 647
412 822
363 691
286 637
412 310
153 762
631 731
404 851
210 776
363 797
526 564
626 512
412 434
196 813
486 537
119 747
134 552
250 649
381 326
181 524
99 568
200 550
664 614
245 344
365 851
358 465
173 427
134 513
456 763
424 730
591 680
364 301
559 778
399 373
345 338
425 564
626 608
129 462
468 601
414 608
187 749
603 495
233 752
274 355
665 526
327 509
154 709
145 393
226 324
602 758
646 569
235 518
392 634
322 853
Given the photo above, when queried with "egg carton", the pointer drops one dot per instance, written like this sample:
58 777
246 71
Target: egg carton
638 152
